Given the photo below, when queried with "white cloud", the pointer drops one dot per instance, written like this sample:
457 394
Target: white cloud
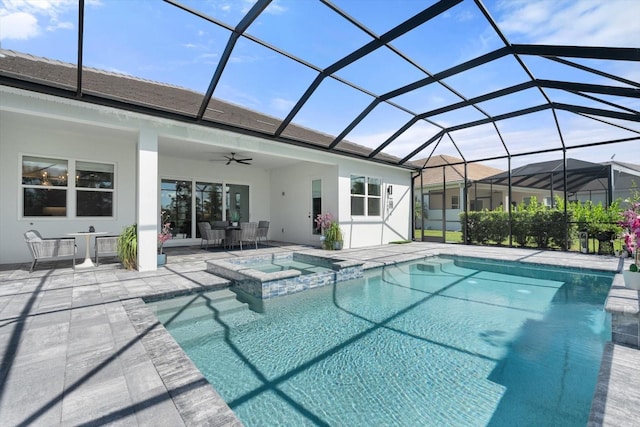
275 8
61 26
26 19
18 26
281 104
566 22
243 59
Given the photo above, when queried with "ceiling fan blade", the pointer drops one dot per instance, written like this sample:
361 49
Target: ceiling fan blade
243 161
229 161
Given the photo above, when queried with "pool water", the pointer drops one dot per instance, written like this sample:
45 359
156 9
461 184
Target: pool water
433 342
289 264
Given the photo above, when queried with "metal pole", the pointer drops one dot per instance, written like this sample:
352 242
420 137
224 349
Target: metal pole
566 218
510 202
444 202
421 205
464 201
610 186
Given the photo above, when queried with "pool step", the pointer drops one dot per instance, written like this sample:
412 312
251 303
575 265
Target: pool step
197 307
434 265
194 331
170 304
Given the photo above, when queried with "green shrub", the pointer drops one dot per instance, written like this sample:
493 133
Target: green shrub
128 247
535 224
332 235
520 226
497 225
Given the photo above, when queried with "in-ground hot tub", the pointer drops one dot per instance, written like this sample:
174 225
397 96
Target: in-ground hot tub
272 275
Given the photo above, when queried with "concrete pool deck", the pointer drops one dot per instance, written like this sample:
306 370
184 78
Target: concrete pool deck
81 347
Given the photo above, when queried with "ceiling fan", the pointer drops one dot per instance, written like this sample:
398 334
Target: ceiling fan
233 158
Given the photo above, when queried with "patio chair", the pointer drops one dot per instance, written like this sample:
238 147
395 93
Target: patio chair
105 246
52 248
263 230
208 234
247 233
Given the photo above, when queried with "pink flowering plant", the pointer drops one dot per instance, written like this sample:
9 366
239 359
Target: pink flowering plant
631 225
323 221
165 231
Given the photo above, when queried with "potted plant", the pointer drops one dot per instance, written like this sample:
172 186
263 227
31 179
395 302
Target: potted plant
323 221
235 218
164 235
631 226
333 237
128 247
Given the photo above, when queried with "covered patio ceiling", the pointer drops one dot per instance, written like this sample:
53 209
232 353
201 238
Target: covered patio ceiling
373 87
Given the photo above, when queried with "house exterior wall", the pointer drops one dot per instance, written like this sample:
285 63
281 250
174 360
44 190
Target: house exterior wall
291 212
45 137
46 126
490 197
394 223
290 196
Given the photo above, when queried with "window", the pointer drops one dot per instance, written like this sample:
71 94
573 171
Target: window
46 187
94 189
455 202
365 196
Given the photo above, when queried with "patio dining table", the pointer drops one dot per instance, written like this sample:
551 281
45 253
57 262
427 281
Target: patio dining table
87 263
229 238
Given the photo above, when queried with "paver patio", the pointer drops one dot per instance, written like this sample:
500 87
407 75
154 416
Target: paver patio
81 347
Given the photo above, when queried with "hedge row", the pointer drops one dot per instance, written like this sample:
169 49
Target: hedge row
537 225
542 229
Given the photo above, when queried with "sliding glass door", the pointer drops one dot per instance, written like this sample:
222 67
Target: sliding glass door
175 200
188 202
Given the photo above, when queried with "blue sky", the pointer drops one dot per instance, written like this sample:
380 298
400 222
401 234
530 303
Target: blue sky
154 40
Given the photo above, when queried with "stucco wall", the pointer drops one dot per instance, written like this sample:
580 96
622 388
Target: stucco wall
291 200
38 136
394 224
42 125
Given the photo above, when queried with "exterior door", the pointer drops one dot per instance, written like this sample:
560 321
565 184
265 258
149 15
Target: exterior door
315 209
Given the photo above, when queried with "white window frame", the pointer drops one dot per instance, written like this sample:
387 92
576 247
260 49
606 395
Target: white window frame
366 196
456 204
77 189
70 188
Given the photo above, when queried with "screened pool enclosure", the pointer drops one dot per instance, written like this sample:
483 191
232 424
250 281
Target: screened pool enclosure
396 83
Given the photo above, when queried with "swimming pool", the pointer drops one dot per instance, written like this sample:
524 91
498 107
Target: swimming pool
433 342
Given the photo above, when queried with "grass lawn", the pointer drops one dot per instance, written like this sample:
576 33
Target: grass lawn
456 237
450 236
